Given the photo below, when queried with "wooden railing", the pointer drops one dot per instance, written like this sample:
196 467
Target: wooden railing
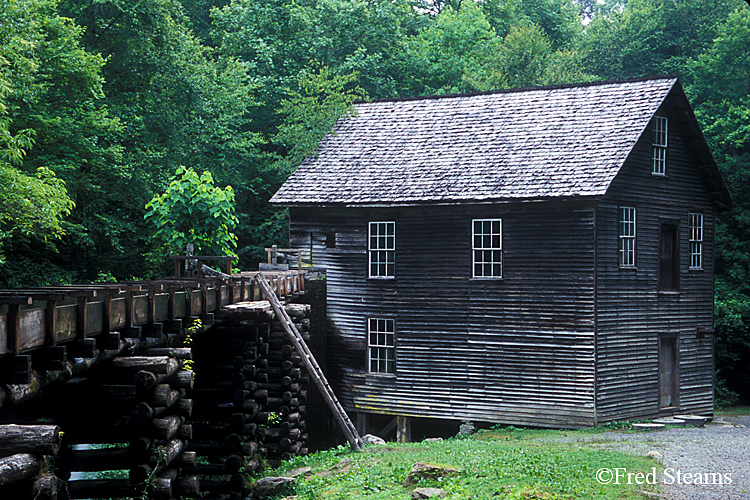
45 317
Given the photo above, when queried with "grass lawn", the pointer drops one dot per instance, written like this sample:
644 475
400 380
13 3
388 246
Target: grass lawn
502 464
733 411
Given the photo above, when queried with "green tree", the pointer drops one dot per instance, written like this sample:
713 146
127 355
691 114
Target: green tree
650 37
458 42
311 112
194 210
180 103
524 59
51 121
720 88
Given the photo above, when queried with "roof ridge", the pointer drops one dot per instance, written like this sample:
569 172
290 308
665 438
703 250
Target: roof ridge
522 89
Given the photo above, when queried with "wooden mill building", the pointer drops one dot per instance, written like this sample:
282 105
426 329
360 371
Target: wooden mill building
538 256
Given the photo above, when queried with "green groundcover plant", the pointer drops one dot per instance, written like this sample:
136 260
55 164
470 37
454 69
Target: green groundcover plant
499 464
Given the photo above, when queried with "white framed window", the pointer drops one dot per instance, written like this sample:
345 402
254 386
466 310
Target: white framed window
696 240
627 236
382 249
487 248
660 145
381 345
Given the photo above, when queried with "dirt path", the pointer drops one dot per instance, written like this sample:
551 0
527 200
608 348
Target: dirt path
710 463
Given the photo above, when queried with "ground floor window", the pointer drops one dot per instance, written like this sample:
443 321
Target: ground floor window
381 335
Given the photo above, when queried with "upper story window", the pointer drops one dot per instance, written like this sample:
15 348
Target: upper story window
660 145
487 244
381 246
696 240
627 236
381 343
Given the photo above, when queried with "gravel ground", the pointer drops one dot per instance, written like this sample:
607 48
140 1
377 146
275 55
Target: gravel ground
720 447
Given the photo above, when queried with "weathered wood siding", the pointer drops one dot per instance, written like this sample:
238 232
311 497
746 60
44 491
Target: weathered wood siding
631 312
518 350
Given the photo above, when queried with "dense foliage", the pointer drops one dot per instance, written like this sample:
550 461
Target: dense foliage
194 211
101 100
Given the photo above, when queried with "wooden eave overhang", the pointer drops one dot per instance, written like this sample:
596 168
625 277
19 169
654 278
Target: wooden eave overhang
445 203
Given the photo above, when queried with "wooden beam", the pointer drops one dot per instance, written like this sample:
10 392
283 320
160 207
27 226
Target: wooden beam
388 428
83 317
14 328
403 429
50 323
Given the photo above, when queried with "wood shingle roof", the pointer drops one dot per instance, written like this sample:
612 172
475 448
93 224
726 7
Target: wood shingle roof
564 141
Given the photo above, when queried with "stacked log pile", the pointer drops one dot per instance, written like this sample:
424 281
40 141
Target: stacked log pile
144 424
25 471
285 392
160 431
225 432
137 429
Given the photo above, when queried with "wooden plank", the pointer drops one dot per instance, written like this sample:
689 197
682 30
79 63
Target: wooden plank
33 329
140 309
180 305
196 302
67 322
118 313
3 334
94 317
161 307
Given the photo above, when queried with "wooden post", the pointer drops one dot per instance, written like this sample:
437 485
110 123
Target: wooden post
151 314
362 423
14 328
83 317
51 323
171 306
129 308
106 313
403 429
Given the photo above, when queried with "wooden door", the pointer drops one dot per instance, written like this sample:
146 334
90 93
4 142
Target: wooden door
668 372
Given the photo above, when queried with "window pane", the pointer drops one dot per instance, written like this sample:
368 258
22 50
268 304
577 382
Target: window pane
627 228
382 242
487 243
696 240
382 341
